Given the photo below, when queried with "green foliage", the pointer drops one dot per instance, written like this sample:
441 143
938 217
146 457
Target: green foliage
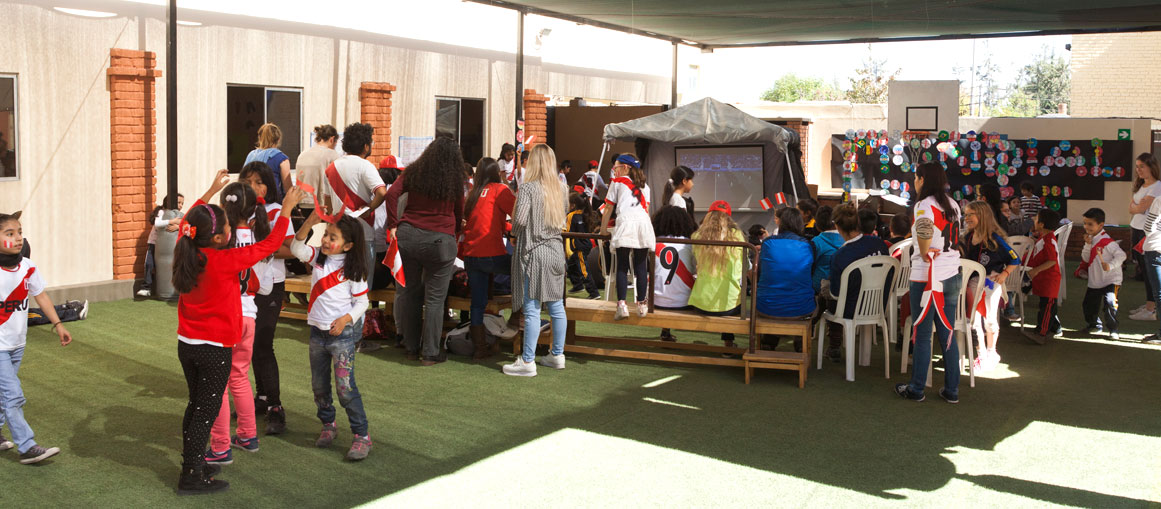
869 86
791 88
1047 82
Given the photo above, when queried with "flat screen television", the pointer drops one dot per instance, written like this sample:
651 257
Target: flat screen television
725 172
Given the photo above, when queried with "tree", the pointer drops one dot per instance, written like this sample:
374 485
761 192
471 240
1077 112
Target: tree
869 86
1047 82
791 88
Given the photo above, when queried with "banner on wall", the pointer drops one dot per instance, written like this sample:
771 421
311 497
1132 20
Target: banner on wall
410 147
1058 169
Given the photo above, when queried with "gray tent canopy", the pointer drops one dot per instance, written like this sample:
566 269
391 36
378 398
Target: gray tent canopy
711 122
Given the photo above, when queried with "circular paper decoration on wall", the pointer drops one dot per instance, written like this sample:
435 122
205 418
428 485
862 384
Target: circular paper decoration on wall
1119 172
966 170
975 145
989 172
1096 142
1002 158
861 143
967 190
1031 171
914 142
943 135
1032 142
897 149
897 160
894 184
847 165
905 195
1107 171
1098 151
989 162
1008 170
1059 161
885 184
954 136
1095 171
847 186
1097 161
1081 171
882 133
1032 152
1055 151
1032 161
861 133
847 145
925 143
1067 192
926 157
904 186
1054 205
1006 192
975 166
884 159
1045 170
957 195
1017 162
1070 161
883 150
1055 190
884 168
1076 151
1065 145
961 160
1002 180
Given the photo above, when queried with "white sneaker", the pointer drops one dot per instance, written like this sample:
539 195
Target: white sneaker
144 292
552 361
520 368
1143 315
84 311
1137 309
642 309
6 444
622 311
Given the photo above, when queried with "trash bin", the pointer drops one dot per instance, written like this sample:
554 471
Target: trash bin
163 260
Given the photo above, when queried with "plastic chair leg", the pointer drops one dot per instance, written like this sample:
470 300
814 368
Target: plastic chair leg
886 353
867 337
903 350
821 340
849 346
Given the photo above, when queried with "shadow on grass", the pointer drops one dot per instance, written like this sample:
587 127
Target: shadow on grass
1052 494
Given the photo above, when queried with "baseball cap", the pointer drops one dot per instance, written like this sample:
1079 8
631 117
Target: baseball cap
721 205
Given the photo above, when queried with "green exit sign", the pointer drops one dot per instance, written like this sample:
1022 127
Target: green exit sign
1124 134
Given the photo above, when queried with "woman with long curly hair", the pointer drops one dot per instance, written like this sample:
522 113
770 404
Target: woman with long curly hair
538 264
426 229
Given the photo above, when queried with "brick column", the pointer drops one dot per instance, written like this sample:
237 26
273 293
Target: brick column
802 127
133 139
535 116
375 109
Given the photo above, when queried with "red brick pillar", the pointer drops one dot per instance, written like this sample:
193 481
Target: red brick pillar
375 109
133 140
535 116
802 127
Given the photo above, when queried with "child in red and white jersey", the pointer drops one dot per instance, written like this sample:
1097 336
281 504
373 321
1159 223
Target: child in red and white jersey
338 299
209 317
248 218
19 279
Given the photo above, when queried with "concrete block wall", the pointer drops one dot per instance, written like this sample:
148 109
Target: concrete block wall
1116 75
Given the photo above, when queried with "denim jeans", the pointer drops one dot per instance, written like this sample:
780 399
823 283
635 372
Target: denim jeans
923 339
325 350
150 265
1153 274
479 267
12 400
532 325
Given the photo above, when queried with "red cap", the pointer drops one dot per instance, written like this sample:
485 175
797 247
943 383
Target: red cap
389 162
721 205
592 163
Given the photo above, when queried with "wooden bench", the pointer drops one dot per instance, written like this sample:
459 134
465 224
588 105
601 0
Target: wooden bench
301 284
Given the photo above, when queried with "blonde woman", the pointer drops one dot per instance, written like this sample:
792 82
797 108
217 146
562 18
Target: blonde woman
538 263
984 243
267 151
717 291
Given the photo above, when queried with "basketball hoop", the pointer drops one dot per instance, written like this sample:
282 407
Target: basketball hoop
912 142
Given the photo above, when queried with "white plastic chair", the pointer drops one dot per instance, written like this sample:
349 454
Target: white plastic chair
1022 245
963 321
1062 234
902 284
868 310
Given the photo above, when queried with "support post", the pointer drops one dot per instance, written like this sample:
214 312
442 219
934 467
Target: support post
673 81
171 106
519 69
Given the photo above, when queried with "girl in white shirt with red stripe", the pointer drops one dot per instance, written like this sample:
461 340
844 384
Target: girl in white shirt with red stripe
338 299
248 219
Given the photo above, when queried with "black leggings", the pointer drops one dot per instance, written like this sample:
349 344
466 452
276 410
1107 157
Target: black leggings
206 368
639 258
263 359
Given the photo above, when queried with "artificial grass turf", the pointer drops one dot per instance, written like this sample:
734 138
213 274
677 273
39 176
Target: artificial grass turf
1074 422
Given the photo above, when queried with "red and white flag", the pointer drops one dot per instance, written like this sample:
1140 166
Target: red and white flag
780 198
394 261
766 205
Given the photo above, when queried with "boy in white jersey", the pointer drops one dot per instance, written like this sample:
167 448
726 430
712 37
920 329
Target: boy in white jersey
19 280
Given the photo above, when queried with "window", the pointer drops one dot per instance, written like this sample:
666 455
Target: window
8 146
462 120
251 106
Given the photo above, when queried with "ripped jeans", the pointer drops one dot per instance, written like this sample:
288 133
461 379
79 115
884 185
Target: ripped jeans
326 349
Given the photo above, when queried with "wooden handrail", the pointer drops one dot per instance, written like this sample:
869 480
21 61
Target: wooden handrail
749 276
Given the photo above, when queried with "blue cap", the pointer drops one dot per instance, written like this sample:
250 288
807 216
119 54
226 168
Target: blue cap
629 159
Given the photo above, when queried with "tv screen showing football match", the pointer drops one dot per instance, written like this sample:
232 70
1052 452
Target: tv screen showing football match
731 173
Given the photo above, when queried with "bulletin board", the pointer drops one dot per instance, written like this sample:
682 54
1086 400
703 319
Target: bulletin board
1059 169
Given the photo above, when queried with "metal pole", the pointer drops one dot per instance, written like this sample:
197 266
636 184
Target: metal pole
673 81
519 68
171 105
790 173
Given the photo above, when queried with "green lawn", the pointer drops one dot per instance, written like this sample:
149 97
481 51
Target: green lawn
1075 422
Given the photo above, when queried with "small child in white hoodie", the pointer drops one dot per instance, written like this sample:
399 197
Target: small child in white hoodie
1101 260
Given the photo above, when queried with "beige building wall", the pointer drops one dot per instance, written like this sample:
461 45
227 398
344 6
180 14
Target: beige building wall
64 125
1116 75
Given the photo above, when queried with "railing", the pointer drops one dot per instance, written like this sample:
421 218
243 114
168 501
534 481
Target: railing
749 275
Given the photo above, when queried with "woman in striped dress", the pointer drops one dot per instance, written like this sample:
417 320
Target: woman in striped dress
538 264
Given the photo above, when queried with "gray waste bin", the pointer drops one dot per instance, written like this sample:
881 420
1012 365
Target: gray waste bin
163 260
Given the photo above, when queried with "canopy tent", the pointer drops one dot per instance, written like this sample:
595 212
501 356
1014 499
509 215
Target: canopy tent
747 23
712 123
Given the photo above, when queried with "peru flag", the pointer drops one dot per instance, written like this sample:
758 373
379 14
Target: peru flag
394 261
766 205
780 198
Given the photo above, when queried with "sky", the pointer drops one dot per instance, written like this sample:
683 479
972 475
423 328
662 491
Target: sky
732 75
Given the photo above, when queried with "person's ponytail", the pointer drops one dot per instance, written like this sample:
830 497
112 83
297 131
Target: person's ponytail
197 232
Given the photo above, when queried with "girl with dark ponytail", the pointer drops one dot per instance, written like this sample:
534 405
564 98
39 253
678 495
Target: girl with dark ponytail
677 188
209 317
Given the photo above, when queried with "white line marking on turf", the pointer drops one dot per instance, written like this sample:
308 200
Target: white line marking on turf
655 383
670 403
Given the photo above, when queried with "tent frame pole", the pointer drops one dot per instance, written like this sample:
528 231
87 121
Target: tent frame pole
519 71
673 80
790 173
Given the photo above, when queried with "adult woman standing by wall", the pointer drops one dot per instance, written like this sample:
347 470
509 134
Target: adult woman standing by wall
1145 189
934 264
427 230
538 265
267 151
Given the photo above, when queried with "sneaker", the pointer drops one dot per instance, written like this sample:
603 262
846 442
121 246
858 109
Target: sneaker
327 435
219 458
594 296
1143 315
196 481
5 444
248 445
552 361
1138 309
1113 336
37 454
642 309
1151 339
948 397
144 292
360 448
1012 317
520 368
275 420
260 405
904 392
1036 338
84 313
622 311
577 288
1093 329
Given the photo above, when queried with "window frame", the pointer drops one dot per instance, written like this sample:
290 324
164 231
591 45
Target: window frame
460 121
266 89
14 143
